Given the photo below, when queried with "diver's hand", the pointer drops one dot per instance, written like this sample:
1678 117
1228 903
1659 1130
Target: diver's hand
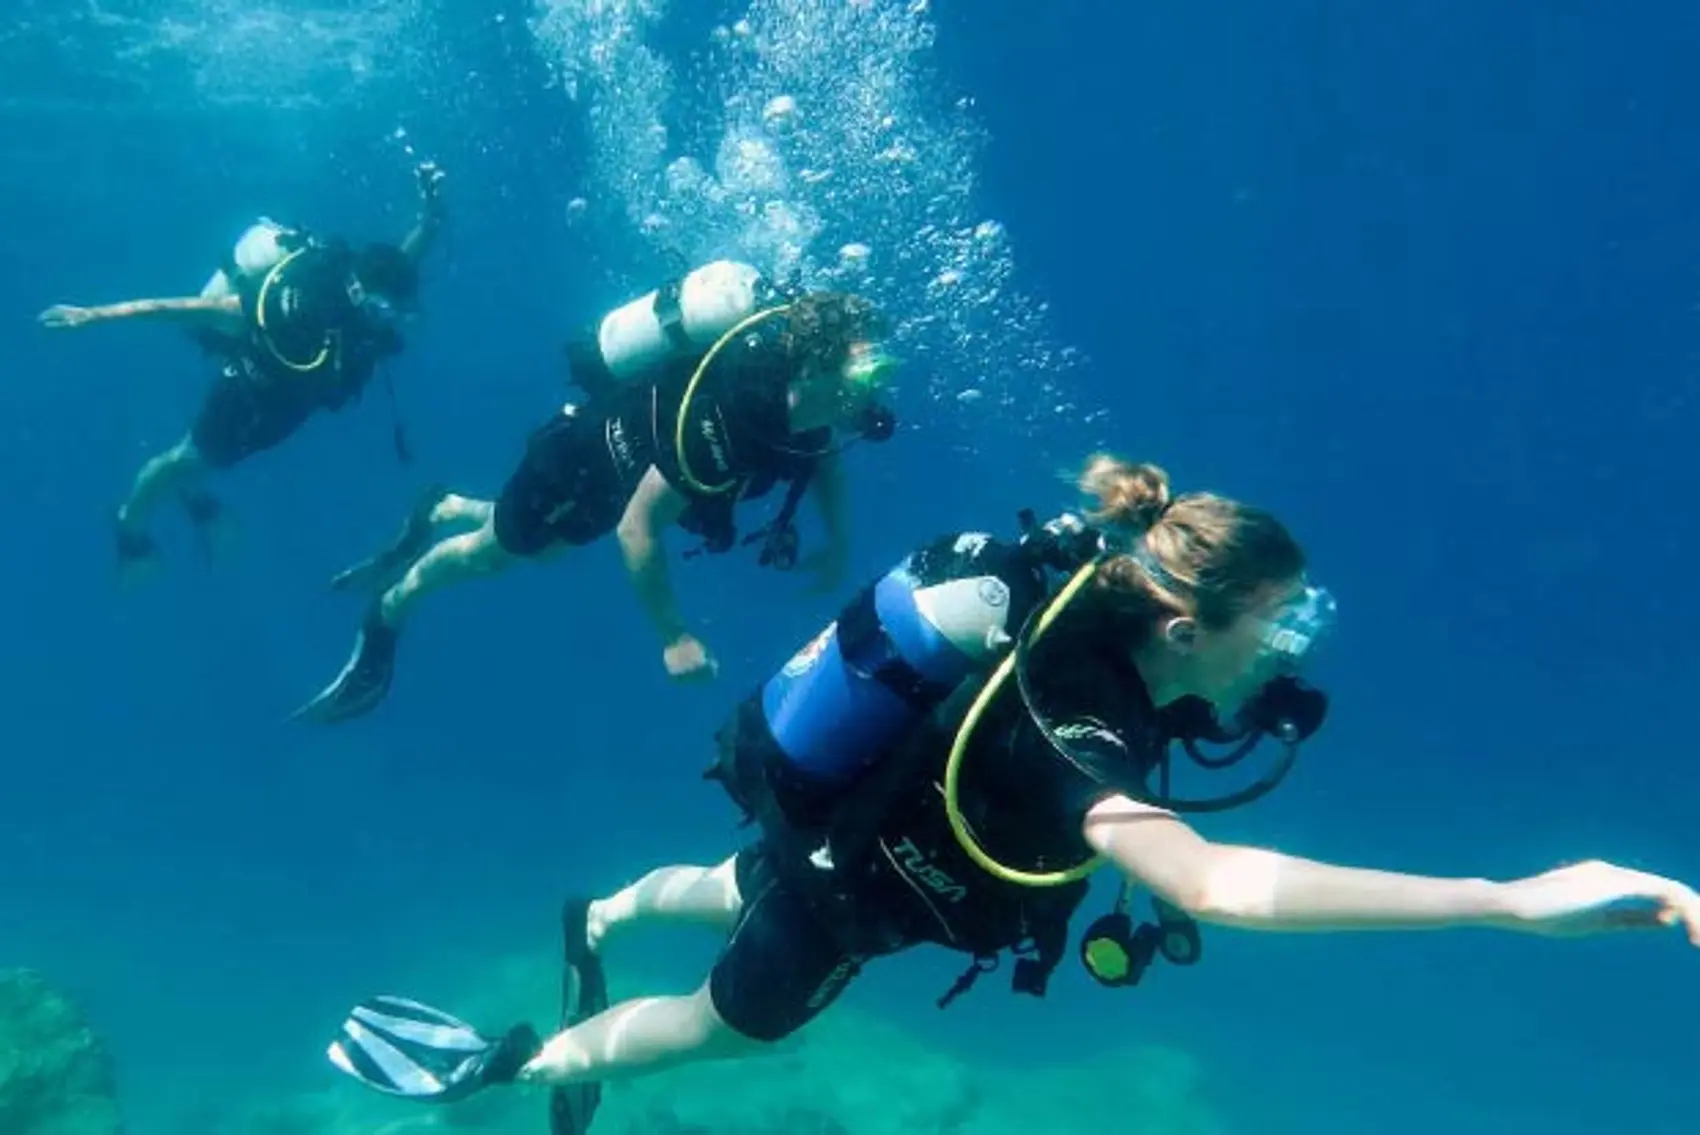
1598 897
64 315
430 177
688 660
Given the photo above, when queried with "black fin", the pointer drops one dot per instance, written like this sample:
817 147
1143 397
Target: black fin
364 681
584 994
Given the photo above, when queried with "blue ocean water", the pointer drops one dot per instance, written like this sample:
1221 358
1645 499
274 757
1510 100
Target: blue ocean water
1420 278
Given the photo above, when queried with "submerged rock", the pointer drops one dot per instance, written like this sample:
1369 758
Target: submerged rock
55 1076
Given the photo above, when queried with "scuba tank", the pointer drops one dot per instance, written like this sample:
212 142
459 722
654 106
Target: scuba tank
262 247
683 316
894 653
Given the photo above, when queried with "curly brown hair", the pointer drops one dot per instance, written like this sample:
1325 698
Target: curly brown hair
821 327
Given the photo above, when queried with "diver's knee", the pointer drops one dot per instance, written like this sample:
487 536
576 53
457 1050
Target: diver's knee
721 1038
482 551
456 509
186 456
725 876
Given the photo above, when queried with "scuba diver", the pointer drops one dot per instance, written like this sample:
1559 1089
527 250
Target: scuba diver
950 760
299 324
701 394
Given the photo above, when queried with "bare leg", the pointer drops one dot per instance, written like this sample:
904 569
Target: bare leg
437 509
707 896
652 1033
170 472
635 1038
455 510
365 679
448 562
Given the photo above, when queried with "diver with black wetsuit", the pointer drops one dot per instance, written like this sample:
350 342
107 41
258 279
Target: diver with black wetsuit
950 760
703 432
301 329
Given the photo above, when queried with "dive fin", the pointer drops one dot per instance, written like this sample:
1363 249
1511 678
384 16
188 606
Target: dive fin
584 994
137 554
403 1048
364 681
409 544
211 521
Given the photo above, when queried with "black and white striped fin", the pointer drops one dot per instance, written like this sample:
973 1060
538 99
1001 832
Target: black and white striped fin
407 1049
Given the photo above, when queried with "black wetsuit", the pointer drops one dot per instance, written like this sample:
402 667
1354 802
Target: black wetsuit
581 467
902 879
314 353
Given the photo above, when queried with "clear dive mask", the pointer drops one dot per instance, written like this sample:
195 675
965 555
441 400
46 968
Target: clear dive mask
1291 633
1288 634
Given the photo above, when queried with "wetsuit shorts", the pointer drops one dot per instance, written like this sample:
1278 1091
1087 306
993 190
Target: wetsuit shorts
781 968
566 489
246 412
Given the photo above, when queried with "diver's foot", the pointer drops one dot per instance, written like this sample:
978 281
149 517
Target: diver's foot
364 680
404 1048
409 544
584 994
210 519
136 551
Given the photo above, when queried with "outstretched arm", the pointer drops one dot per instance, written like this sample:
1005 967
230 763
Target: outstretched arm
1267 890
654 507
418 242
215 311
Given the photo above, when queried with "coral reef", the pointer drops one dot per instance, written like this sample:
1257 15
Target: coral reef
55 1077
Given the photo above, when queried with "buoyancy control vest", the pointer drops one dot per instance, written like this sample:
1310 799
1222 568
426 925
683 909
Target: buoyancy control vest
721 435
853 725
834 739
337 353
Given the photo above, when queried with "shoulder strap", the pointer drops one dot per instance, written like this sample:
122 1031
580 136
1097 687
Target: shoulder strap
670 315
690 393
856 826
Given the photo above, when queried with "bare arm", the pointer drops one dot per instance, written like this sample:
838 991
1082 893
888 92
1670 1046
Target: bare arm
829 491
214 311
828 488
419 239
418 242
1266 890
654 507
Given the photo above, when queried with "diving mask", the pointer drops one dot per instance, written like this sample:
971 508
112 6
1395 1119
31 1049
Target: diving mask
376 309
868 367
381 312
1292 632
